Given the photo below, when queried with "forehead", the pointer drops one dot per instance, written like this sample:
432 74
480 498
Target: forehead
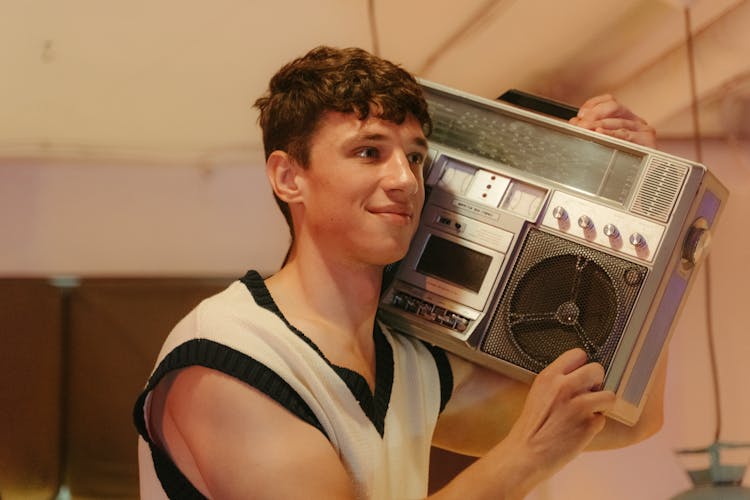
337 127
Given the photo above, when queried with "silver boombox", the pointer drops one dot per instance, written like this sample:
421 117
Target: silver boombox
538 236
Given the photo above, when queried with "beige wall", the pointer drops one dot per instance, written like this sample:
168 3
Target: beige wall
123 219
94 219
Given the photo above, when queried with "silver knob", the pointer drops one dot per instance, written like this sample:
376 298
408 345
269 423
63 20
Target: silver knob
637 240
696 242
585 222
559 213
611 231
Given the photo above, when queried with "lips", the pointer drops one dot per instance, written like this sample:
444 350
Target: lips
402 214
402 210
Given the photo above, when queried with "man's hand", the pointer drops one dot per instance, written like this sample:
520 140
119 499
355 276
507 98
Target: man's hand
563 411
605 114
560 417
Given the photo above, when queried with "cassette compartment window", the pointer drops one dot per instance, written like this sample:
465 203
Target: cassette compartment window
454 263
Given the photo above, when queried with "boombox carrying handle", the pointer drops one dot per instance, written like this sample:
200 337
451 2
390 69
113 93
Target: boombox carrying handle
539 104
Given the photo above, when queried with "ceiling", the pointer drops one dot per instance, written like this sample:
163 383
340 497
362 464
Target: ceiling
174 80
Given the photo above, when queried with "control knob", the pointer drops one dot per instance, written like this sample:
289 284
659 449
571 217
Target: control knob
585 222
611 231
637 240
559 213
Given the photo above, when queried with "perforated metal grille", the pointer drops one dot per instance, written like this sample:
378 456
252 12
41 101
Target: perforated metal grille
562 295
659 189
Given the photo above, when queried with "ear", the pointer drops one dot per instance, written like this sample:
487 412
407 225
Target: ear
283 174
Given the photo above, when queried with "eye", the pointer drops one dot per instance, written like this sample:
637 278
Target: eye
368 153
416 158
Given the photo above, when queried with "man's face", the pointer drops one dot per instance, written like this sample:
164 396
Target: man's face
363 187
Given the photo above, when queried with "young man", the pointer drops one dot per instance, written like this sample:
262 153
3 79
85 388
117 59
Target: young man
289 387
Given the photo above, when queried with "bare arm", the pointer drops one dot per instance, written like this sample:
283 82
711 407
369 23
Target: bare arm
232 441
486 404
524 434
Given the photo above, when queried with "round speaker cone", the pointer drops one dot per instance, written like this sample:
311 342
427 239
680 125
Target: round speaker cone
562 302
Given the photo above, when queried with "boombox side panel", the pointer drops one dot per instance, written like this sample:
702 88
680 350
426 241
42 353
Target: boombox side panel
672 299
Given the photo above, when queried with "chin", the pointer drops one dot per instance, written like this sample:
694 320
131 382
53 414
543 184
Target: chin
386 256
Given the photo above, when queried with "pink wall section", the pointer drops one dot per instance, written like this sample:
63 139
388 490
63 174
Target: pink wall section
121 220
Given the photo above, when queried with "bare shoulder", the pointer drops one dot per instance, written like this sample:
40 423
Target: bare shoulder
233 441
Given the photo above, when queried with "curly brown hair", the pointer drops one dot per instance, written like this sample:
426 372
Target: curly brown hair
349 80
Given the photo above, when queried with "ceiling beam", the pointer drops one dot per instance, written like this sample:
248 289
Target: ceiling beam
722 70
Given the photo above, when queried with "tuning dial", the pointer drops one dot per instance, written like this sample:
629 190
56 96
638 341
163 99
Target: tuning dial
611 231
696 242
585 222
560 213
637 240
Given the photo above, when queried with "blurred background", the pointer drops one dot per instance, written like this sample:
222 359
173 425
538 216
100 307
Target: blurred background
132 185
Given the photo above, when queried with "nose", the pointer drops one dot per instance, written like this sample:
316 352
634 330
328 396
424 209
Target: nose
400 174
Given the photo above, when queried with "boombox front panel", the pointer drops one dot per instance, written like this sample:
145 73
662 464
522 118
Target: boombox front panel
562 295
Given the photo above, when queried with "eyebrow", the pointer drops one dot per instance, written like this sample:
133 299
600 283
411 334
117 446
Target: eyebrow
376 137
421 141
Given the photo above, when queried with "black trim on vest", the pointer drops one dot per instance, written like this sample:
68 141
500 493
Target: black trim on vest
173 481
210 354
444 372
375 406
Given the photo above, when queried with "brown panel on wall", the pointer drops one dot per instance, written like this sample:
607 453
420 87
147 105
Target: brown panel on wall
30 388
116 330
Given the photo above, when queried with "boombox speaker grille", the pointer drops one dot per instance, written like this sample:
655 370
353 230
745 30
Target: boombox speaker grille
562 295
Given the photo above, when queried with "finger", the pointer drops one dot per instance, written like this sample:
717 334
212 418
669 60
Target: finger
609 121
587 378
619 123
604 114
568 362
604 107
645 137
608 109
593 102
597 402
602 110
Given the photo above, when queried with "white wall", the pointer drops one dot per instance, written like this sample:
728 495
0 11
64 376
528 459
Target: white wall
90 219
87 219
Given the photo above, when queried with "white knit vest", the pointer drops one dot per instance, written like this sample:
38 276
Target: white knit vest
394 466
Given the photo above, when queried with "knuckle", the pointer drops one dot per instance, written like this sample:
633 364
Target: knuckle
550 380
598 369
597 422
581 407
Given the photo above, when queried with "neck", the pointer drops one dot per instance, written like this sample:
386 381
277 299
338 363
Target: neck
344 294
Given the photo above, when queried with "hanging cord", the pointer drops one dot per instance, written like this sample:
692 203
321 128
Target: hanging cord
707 264
373 27
481 15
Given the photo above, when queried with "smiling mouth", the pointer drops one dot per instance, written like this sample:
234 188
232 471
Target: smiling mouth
394 216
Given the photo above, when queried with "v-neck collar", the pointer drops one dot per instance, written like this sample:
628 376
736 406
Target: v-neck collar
375 406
